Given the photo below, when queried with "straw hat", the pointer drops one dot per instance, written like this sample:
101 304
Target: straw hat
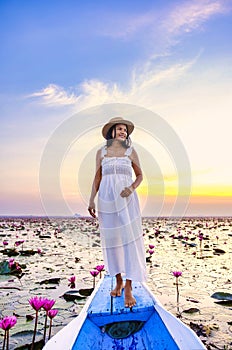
117 120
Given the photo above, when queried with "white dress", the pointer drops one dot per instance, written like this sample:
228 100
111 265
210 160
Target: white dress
120 220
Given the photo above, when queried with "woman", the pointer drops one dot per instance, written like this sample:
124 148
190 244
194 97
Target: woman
118 207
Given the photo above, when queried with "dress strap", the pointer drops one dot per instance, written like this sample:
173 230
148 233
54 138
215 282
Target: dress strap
103 151
128 151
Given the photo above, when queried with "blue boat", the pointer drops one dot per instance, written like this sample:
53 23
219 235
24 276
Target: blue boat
104 323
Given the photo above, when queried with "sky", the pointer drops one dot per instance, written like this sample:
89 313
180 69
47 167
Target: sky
67 67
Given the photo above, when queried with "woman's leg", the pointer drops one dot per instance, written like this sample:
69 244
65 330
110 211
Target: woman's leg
129 299
117 291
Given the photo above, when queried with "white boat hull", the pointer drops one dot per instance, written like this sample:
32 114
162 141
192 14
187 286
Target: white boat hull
104 323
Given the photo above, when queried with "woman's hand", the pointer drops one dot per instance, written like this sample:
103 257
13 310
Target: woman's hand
126 192
92 210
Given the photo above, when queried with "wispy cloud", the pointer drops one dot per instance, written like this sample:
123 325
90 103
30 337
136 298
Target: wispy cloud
153 77
54 95
180 17
94 92
90 92
159 30
192 15
165 28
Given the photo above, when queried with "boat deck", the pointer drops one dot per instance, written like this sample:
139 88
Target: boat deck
104 306
110 325
104 324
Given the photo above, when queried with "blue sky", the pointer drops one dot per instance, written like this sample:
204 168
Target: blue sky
67 42
60 57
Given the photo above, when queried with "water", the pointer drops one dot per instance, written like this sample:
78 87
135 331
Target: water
71 246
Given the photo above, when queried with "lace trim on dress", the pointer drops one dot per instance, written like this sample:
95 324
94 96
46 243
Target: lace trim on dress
116 165
112 169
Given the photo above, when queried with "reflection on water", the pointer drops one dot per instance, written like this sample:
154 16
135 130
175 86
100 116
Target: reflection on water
199 247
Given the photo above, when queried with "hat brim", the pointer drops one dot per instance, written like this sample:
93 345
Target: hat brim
129 124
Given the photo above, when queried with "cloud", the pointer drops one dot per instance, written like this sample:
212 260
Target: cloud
92 92
54 95
191 15
178 18
100 92
164 28
144 87
153 77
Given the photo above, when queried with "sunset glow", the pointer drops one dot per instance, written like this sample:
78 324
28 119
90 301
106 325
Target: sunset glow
173 59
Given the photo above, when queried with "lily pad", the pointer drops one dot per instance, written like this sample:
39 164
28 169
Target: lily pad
28 252
26 336
192 310
224 302
10 252
45 236
218 251
54 280
200 329
192 300
4 268
86 291
222 296
72 295
148 258
192 245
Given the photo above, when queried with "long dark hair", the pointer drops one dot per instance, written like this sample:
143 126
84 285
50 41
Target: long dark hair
109 139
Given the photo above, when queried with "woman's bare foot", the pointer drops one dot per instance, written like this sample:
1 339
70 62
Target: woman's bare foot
117 291
130 301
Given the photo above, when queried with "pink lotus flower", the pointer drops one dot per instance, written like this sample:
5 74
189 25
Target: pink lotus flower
151 251
156 232
8 322
18 267
72 279
17 243
14 266
11 262
52 313
94 273
5 243
177 273
151 246
48 304
37 303
100 267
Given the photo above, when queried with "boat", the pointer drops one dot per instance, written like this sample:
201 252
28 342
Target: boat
105 323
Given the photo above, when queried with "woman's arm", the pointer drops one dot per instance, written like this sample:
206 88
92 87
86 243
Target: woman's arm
96 184
137 169
138 173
